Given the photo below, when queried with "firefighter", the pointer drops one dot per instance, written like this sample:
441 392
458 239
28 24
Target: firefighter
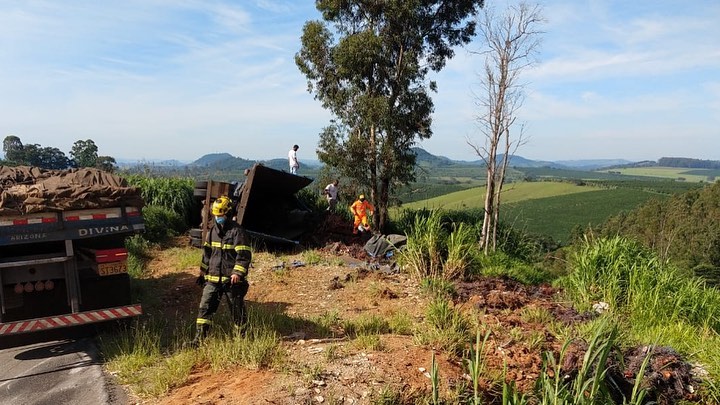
360 209
224 268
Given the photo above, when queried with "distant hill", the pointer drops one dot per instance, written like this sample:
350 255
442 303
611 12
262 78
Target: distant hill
593 164
424 160
212 159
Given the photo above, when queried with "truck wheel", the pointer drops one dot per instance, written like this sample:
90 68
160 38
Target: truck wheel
196 242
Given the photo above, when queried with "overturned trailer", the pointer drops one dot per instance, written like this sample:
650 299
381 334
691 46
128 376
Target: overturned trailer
266 205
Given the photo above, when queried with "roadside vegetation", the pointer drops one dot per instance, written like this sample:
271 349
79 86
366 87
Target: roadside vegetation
643 301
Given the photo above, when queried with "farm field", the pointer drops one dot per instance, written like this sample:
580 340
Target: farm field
694 175
474 197
555 208
556 216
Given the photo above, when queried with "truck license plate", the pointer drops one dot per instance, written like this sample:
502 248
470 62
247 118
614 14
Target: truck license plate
108 269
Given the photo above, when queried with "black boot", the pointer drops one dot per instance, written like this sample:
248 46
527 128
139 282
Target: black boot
200 335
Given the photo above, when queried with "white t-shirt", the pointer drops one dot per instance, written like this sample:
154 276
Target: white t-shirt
332 191
292 158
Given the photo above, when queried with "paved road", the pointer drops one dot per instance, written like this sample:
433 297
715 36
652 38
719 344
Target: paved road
56 372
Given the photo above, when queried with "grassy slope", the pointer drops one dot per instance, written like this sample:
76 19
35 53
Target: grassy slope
556 216
670 172
474 197
548 208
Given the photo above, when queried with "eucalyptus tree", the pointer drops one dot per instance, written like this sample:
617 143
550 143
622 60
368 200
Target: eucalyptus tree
367 62
13 149
84 153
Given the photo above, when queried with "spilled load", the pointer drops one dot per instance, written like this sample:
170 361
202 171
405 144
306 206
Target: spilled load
63 260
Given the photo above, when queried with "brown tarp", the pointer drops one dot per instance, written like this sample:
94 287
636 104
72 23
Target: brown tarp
25 190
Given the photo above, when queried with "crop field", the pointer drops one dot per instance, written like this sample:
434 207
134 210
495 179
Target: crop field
556 216
555 208
546 172
513 192
695 175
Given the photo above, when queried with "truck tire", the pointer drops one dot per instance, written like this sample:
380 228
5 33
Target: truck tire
196 242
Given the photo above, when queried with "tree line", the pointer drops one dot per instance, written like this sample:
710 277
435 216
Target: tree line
84 153
684 228
688 163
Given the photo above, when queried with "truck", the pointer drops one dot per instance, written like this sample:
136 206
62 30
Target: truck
63 260
266 205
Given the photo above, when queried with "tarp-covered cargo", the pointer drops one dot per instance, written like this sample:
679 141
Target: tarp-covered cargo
27 190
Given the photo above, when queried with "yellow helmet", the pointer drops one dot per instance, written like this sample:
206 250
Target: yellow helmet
362 197
221 206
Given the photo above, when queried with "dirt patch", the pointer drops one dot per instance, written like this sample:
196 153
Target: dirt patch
207 388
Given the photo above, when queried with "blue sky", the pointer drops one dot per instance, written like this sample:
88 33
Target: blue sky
176 79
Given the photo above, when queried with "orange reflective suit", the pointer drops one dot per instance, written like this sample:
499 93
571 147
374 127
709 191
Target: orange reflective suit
359 210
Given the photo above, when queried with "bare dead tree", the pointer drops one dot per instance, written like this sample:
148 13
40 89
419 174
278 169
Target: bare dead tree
512 41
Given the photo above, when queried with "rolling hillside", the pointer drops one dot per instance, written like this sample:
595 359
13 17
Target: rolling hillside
554 208
474 197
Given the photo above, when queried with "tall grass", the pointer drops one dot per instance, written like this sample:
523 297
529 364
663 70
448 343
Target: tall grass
445 327
152 356
175 194
660 303
138 255
636 283
437 249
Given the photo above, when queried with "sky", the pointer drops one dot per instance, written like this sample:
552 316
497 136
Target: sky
178 79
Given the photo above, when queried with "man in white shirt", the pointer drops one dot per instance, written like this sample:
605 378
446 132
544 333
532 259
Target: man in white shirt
331 193
292 159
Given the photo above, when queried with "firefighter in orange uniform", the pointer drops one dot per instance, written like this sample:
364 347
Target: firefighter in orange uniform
360 210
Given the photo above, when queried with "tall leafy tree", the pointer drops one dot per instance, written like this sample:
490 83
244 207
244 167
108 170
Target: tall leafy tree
106 163
13 149
84 153
373 80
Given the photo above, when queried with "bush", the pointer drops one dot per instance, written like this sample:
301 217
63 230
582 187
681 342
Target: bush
175 194
161 223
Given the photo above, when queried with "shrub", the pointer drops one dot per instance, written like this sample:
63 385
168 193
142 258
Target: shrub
161 223
174 194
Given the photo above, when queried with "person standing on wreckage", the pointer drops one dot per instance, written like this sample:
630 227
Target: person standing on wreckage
224 269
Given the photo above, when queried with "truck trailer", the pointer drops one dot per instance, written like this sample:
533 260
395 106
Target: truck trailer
266 206
63 260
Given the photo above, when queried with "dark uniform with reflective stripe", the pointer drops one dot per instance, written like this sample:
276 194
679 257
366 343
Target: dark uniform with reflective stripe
225 252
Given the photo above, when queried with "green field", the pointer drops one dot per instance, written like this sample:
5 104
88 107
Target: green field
513 192
555 208
694 175
556 216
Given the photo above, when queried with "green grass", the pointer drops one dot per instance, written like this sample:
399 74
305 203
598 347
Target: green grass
660 303
445 327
